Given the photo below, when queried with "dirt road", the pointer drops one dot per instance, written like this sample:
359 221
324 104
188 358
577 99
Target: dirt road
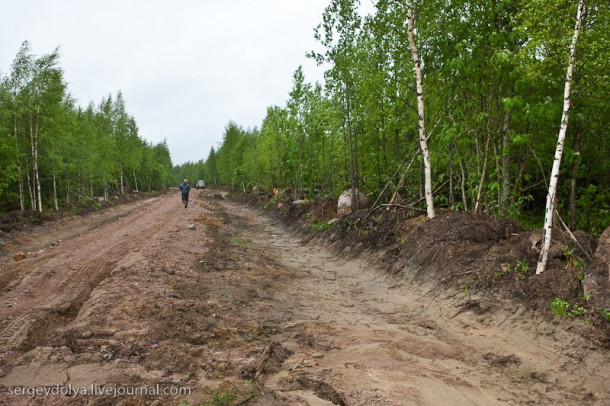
238 309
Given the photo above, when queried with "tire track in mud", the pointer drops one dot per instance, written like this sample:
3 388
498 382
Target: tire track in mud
49 308
360 336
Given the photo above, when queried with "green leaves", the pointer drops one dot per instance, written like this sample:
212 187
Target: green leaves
494 75
46 140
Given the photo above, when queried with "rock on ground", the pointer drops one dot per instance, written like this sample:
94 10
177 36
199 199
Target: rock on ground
344 204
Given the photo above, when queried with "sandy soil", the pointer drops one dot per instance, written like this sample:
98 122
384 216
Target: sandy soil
240 310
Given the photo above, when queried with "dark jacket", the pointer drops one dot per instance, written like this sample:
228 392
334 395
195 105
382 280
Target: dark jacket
185 188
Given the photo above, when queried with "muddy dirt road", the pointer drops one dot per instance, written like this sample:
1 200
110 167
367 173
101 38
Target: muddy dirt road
135 307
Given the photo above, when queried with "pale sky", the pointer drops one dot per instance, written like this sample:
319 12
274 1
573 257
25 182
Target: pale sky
185 67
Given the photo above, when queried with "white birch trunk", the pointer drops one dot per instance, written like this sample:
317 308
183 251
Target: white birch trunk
55 203
105 188
35 190
30 187
423 143
135 179
36 172
550 201
122 190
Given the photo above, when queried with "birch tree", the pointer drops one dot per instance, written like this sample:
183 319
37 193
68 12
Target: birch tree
550 201
45 91
21 71
423 142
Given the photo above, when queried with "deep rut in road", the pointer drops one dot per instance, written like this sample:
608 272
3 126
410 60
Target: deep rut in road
380 339
57 287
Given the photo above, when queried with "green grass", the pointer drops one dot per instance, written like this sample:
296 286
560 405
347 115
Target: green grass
321 226
559 307
221 398
242 242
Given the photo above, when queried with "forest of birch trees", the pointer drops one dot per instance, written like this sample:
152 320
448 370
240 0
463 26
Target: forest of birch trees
55 154
493 75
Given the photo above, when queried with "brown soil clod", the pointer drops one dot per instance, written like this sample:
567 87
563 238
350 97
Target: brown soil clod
322 390
501 361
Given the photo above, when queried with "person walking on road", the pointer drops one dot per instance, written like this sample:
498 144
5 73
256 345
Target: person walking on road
185 188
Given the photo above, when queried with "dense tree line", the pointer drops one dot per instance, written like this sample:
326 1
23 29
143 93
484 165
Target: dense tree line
54 153
493 75
192 171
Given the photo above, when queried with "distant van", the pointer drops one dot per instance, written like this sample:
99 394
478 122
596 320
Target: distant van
200 184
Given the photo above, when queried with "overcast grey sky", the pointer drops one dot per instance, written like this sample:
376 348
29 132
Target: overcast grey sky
185 67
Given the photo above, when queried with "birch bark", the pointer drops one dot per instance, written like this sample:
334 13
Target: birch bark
423 142
550 201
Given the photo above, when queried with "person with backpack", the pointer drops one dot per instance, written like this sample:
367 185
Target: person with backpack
185 188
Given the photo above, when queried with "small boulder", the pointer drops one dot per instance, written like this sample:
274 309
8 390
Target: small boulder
191 227
344 204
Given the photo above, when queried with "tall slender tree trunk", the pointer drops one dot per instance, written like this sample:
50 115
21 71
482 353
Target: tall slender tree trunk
105 188
67 185
135 180
354 178
384 141
37 196
421 176
378 170
80 185
55 204
463 187
505 189
483 172
122 187
574 177
518 186
30 186
451 186
498 156
36 173
21 193
550 201
423 142
17 159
